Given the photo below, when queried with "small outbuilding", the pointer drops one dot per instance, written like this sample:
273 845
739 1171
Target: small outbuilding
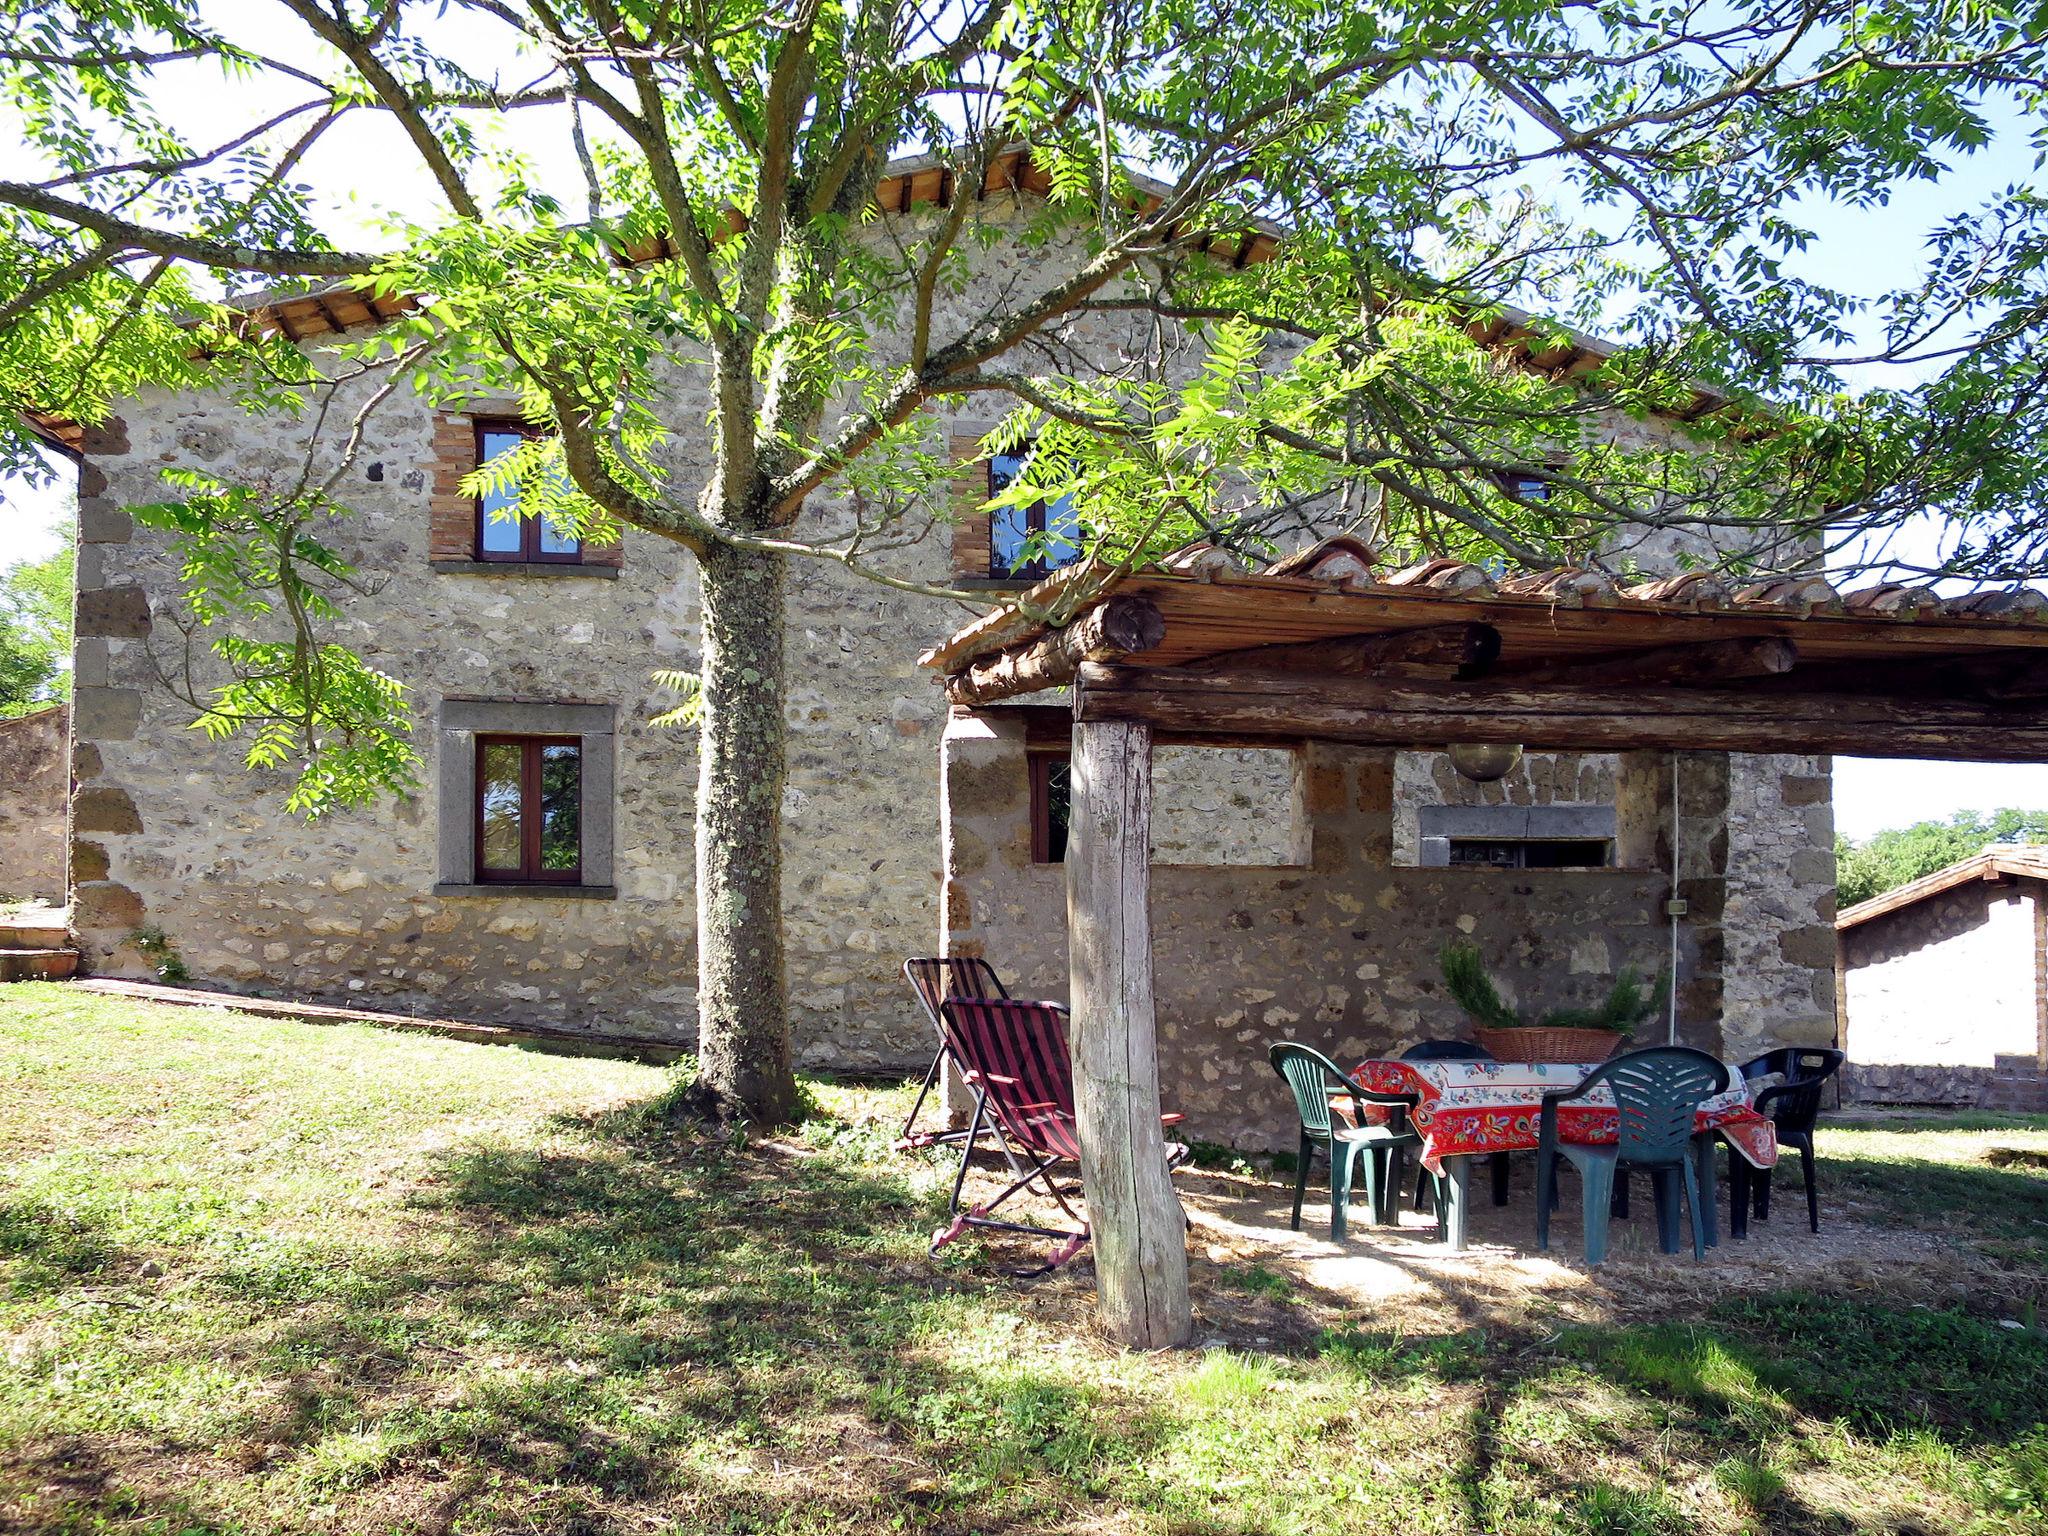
1944 986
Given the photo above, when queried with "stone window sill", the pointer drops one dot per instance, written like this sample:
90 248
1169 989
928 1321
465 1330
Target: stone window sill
541 568
996 583
522 889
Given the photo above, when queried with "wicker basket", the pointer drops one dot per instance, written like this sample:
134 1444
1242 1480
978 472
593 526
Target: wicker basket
1543 1042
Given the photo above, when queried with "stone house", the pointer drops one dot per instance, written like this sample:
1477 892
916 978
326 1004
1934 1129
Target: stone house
544 875
1944 986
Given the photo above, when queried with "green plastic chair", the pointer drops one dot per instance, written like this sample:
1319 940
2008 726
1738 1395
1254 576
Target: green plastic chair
1658 1092
1313 1077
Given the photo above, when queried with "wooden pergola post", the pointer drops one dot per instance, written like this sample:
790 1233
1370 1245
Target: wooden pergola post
1136 1224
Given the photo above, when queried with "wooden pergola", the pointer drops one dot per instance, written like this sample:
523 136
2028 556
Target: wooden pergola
1324 647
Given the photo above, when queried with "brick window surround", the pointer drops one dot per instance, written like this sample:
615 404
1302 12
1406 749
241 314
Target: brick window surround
452 516
462 720
970 517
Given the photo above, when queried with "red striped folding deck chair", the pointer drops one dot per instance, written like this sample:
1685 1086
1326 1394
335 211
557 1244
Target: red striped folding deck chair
1015 1056
934 980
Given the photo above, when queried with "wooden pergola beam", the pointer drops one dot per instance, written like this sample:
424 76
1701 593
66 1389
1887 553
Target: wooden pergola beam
1440 650
1715 661
1560 717
1111 631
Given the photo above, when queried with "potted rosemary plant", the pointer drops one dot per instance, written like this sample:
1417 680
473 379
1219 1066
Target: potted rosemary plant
1562 1034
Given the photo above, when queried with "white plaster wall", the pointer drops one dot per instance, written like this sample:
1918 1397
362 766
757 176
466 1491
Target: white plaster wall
1947 982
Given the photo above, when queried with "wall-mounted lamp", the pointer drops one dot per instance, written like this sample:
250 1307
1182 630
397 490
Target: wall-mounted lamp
1483 763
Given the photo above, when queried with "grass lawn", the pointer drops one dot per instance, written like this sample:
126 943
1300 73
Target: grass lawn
260 1276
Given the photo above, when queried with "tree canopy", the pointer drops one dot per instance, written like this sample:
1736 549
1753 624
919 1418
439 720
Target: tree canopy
654 223
605 189
1898 855
35 633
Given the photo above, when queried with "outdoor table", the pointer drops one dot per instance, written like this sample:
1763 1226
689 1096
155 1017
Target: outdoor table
1468 1109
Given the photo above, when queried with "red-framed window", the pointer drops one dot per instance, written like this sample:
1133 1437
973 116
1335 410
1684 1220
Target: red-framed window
529 809
502 537
1055 526
1051 805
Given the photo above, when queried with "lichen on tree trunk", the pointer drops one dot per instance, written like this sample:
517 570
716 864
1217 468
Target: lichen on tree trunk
744 1064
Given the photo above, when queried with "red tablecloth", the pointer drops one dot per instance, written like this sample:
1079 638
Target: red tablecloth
1470 1107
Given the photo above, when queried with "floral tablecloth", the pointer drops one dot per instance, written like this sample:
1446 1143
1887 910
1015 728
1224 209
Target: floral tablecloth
1475 1107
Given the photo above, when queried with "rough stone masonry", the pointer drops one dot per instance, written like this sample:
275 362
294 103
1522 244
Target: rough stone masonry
170 832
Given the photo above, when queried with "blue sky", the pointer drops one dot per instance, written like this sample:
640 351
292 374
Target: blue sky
1860 250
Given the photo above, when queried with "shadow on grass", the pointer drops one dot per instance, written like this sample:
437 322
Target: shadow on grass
636 1325
2003 1201
640 1321
1935 1417
55 1248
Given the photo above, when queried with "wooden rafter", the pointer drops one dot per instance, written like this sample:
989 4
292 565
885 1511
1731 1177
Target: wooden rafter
1707 662
1112 631
1442 651
1208 614
1994 678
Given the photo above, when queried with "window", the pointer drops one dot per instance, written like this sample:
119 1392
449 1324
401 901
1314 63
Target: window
1516 836
529 809
1530 489
1543 853
523 802
1051 806
501 534
1029 540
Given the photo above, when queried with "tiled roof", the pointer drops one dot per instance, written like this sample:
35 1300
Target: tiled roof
1327 591
909 183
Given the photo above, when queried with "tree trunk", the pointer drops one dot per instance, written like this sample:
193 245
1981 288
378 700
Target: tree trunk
744 1068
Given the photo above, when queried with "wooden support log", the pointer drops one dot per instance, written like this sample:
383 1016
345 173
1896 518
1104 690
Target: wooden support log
1134 1219
1558 717
1110 631
1713 661
1441 650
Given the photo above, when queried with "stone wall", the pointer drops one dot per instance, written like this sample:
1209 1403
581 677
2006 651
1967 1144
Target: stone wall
1781 903
1224 805
33 749
1339 951
170 832
173 833
1944 999
1541 778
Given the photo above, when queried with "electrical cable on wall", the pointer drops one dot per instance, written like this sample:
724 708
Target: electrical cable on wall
1673 906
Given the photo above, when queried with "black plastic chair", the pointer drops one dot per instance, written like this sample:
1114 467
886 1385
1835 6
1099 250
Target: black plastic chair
1446 1050
1457 1050
1792 1104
